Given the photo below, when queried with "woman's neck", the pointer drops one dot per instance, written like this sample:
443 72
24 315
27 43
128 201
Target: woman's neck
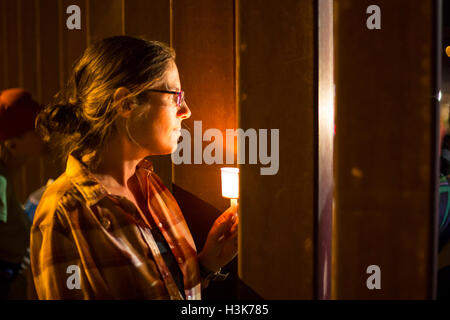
117 165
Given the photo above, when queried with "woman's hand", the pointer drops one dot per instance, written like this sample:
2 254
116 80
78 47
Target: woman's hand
221 244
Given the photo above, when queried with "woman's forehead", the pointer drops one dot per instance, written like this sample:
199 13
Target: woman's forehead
172 78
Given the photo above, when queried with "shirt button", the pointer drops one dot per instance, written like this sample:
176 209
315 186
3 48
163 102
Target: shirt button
105 222
160 225
180 260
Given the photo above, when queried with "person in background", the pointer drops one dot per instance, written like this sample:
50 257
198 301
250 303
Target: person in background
444 237
444 140
18 144
444 207
445 155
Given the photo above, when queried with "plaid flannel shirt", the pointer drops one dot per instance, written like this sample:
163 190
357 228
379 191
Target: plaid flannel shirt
81 230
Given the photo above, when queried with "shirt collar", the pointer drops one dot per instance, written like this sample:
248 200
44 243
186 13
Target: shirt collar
87 184
145 164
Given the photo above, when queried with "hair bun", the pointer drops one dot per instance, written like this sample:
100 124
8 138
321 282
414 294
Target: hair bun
62 119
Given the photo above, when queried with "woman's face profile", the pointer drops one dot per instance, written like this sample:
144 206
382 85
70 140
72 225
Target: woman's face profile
156 124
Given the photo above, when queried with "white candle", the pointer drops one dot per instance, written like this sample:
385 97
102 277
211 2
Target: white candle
230 184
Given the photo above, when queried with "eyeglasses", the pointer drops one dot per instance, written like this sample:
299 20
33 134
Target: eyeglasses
180 95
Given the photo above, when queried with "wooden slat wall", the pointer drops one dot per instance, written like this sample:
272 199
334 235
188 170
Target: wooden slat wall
3 45
18 66
205 49
28 46
28 75
150 19
73 41
385 150
325 156
105 19
11 56
49 69
277 90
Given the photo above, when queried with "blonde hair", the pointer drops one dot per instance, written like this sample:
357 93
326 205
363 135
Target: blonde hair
82 116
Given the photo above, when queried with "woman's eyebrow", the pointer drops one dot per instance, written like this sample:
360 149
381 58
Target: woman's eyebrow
170 88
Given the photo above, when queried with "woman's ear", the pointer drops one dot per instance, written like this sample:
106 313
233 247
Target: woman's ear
123 104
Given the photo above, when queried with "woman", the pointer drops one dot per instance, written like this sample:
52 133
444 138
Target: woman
108 228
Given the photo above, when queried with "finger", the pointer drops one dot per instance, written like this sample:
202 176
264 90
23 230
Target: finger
231 245
220 229
223 224
235 222
228 217
232 233
230 211
234 227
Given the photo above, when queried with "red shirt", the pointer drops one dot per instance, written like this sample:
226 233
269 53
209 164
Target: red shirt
80 230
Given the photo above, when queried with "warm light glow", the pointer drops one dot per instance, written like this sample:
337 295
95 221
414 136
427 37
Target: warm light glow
230 183
447 51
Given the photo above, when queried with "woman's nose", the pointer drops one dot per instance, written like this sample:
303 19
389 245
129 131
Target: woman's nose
184 111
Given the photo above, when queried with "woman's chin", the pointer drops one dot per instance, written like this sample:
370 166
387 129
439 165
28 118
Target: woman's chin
174 148
167 150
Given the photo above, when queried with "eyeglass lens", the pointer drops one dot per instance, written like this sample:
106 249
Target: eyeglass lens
180 98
